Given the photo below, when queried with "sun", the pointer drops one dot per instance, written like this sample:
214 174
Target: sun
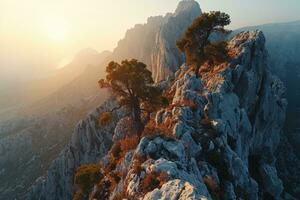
56 30
57 33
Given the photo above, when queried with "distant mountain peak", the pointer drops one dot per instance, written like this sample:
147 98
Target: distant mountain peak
154 42
86 52
187 5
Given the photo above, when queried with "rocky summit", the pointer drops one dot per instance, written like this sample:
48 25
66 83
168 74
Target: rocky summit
216 139
154 42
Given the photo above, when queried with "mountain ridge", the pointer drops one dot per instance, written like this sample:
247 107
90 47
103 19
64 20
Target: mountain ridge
155 27
244 124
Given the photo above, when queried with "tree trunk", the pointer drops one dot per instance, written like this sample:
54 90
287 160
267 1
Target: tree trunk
136 115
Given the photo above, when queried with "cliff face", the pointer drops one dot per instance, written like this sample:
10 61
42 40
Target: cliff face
243 108
88 144
283 45
45 132
154 43
219 137
165 57
35 135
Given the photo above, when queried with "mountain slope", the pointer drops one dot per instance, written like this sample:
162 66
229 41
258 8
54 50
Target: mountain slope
27 94
73 91
224 130
283 45
154 43
33 137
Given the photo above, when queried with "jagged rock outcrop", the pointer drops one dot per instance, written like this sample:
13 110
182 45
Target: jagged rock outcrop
218 139
28 146
154 43
283 45
165 57
89 143
231 153
251 137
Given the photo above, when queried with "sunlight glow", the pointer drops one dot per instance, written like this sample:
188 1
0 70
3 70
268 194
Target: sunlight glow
56 29
64 62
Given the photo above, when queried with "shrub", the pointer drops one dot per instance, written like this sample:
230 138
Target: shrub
118 197
103 191
196 44
217 52
137 164
87 176
104 119
152 181
132 84
211 184
116 150
113 178
164 101
128 144
153 130
78 195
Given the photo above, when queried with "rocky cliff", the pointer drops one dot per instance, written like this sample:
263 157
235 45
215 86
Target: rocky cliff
217 139
87 145
42 134
154 43
283 45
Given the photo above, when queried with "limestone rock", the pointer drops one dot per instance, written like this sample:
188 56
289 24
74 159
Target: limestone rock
88 144
175 189
222 133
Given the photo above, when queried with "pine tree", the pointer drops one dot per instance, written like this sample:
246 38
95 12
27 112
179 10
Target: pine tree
132 85
196 44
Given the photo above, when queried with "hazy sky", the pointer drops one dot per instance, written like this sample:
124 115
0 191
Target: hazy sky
38 35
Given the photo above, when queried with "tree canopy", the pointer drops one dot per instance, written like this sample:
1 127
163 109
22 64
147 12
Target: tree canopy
132 85
86 177
196 44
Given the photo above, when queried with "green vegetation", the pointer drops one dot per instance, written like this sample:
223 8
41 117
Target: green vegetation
85 178
196 44
132 85
104 118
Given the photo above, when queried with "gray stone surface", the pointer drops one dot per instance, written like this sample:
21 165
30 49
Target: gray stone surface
234 152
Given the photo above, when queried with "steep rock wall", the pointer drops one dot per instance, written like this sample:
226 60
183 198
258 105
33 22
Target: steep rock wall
154 43
224 129
89 143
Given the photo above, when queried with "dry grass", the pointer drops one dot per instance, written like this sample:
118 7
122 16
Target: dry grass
114 179
233 53
87 176
137 164
128 144
211 75
104 119
153 130
152 181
